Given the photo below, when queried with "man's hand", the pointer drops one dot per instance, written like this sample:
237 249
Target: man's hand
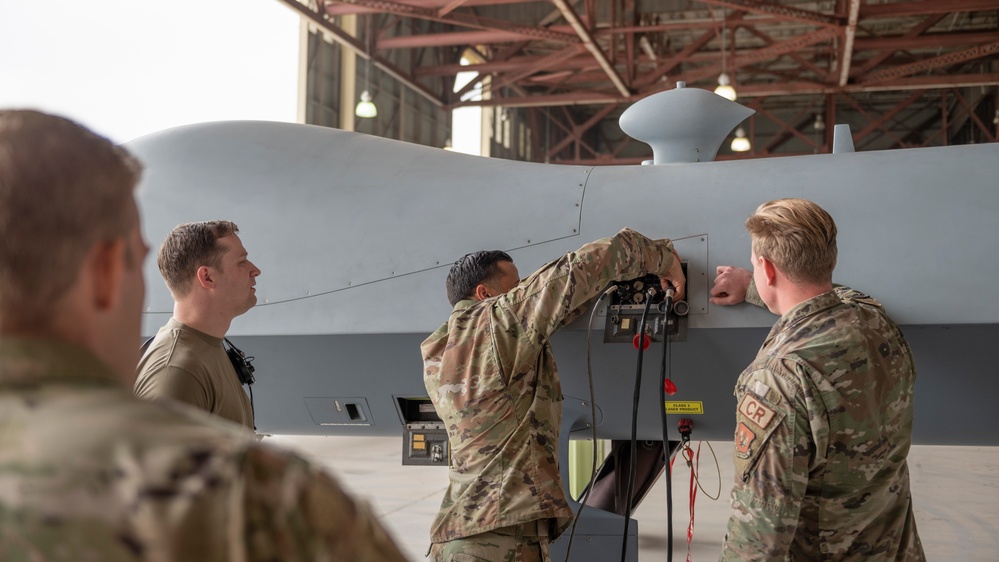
730 285
675 277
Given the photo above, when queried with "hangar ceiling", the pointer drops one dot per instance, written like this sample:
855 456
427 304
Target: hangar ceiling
902 73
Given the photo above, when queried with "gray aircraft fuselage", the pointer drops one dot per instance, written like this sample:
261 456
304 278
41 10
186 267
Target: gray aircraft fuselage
355 235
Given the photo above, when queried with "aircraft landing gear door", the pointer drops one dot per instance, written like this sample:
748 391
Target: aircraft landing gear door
424 439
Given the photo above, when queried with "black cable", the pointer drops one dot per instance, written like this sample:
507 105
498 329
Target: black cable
253 411
593 419
662 409
242 365
634 427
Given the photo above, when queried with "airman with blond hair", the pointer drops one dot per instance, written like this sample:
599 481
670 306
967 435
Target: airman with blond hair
824 415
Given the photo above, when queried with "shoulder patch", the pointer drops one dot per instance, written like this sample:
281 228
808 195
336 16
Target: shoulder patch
756 411
744 437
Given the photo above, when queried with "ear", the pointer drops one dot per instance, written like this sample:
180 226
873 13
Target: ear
482 292
205 277
769 271
108 267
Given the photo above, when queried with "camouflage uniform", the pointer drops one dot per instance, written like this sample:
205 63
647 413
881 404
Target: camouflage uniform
90 473
191 366
823 428
491 375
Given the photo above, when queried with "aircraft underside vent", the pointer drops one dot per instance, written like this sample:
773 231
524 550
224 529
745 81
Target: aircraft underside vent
339 410
424 439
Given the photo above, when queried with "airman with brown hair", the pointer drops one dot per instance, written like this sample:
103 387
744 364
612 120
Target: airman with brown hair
212 281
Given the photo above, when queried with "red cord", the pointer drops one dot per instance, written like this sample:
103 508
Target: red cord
693 462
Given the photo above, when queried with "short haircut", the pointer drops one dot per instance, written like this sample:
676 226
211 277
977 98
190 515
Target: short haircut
63 189
471 271
798 236
188 247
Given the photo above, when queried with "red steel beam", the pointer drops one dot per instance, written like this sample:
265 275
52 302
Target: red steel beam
930 41
974 116
579 130
449 39
340 8
499 66
924 8
684 25
551 100
786 127
785 135
669 64
462 19
751 91
543 64
497 33
758 55
880 121
884 55
353 44
910 83
932 63
454 5
797 58
591 45
779 11
846 52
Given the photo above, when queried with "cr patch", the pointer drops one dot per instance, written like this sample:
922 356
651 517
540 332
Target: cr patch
756 411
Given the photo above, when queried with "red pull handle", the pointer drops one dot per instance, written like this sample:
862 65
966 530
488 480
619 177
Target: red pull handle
669 387
646 341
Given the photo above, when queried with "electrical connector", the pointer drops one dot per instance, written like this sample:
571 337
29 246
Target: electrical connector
685 426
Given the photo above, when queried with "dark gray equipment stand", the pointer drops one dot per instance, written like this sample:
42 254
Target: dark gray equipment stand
598 533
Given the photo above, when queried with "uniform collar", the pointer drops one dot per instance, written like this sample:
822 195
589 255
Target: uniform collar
174 324
802 311
464 304
33 361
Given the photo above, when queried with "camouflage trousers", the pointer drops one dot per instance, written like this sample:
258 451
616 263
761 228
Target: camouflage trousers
519 543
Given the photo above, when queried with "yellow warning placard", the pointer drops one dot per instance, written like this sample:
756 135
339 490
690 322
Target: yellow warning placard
685 407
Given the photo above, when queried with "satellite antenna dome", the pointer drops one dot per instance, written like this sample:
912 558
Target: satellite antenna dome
683 124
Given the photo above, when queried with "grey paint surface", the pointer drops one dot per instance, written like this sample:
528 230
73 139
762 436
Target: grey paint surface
355 235
955 390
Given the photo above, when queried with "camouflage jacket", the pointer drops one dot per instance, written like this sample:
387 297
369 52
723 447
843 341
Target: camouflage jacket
823 428
89 472
491 375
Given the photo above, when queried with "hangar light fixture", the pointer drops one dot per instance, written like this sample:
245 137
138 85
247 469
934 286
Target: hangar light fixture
366 108
724 88
740 143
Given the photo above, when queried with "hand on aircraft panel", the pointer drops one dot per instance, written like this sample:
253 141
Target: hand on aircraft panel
731 284
675 277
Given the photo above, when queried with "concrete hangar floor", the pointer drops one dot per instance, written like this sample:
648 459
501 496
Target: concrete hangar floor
955 492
